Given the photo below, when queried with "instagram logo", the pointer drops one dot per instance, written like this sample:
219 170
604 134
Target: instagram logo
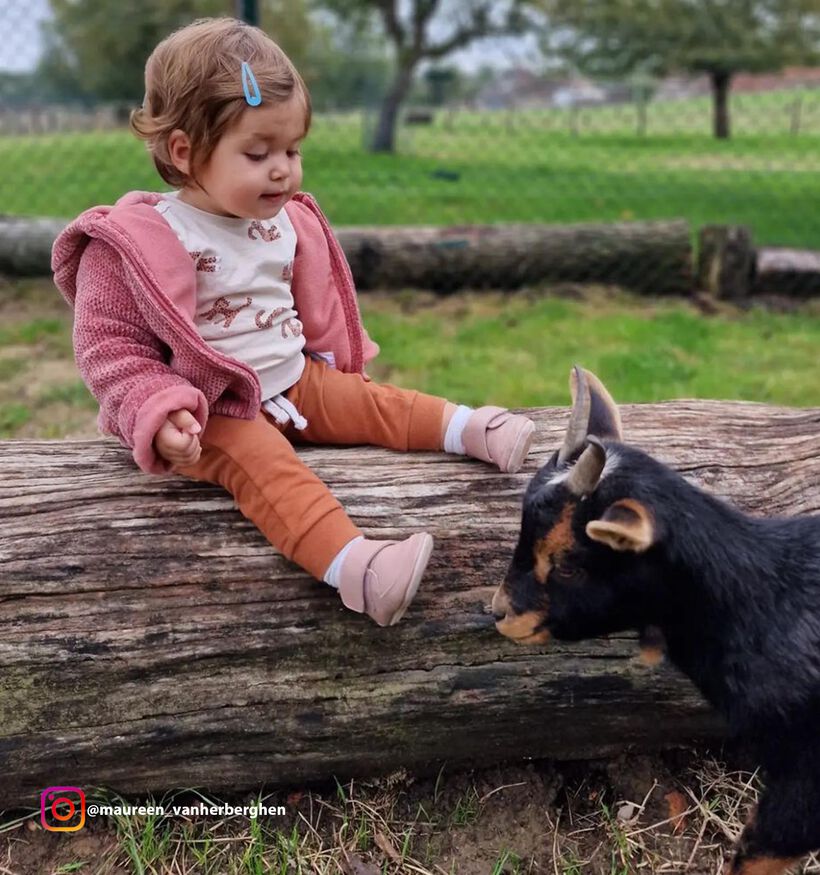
62 809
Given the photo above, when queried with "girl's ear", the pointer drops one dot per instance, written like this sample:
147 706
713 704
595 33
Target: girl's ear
179 151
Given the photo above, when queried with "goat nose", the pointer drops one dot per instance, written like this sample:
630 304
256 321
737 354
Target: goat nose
499 604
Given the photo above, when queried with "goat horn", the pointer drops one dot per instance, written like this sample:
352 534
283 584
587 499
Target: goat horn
604 416
584 476
579 417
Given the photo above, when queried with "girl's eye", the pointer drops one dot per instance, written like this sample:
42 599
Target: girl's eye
255 157
294 153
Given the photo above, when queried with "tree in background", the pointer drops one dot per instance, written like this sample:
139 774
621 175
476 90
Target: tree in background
96 49
346 64
717 37
426 30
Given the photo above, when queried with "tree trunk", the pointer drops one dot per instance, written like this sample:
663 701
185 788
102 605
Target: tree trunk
721 81
652 257
150 638
384 139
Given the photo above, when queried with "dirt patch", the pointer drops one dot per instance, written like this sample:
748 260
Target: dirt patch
35 851
499 818
676 812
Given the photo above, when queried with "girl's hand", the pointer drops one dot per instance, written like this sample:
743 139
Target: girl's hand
177 441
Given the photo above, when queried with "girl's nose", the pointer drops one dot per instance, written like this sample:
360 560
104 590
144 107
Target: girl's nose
278 170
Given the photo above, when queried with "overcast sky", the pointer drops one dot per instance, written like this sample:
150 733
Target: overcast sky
20 33
20 42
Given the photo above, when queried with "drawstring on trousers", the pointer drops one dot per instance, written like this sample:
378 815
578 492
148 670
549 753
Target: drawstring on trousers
283 412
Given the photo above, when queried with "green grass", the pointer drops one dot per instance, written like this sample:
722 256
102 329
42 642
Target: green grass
13 416
509 349
514 350
527 166
517 350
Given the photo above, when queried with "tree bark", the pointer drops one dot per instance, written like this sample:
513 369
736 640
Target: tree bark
651 257
384 139
150 638
25 244
721 82
726 261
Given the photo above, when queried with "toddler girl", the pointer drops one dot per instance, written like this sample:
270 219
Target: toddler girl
217 324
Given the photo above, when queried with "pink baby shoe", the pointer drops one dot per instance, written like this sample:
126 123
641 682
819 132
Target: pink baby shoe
380 578
495 435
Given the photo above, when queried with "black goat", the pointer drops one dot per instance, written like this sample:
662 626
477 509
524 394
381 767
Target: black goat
611 539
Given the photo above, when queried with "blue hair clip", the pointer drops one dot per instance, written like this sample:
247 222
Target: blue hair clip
248 79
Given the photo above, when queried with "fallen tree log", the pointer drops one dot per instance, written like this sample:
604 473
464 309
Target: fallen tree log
792 272
650 257
25 245
150 638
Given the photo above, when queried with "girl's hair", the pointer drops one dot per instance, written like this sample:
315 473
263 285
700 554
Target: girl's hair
193 81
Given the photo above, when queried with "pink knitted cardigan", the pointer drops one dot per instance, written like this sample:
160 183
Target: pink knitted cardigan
133 289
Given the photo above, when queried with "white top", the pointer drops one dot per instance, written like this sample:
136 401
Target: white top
244 304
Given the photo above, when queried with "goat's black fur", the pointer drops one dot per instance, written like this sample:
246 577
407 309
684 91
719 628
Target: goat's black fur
737 600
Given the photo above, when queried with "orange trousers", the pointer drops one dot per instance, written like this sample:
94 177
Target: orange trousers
256 462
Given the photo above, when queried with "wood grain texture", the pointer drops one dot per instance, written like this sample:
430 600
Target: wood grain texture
150 638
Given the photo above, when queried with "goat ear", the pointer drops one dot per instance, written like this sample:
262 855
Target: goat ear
593 412
626 525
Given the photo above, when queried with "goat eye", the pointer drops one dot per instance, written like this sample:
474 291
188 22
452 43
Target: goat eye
567 572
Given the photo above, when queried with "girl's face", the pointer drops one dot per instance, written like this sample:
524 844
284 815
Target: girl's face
256 166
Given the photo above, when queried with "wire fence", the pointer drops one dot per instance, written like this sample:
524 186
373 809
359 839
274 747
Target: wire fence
520 148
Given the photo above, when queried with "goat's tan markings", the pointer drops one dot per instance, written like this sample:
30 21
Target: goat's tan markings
557 540
651 655
763 866
522 628
652 646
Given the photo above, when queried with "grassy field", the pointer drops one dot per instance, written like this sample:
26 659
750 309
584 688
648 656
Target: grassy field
515 350
499 167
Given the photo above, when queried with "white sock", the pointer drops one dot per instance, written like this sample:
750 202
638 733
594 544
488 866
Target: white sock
452 437
335 567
